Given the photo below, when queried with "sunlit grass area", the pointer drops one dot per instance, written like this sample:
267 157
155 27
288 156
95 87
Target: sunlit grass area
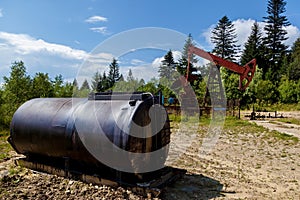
5 147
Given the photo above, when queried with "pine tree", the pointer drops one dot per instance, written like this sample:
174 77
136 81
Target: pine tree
130 76
224 39
41 85
167 67
113 74
253 46
85 85
185 52
75 84
183 61
103 84
294 66
275 36
95 81
57 85
17 90
17 86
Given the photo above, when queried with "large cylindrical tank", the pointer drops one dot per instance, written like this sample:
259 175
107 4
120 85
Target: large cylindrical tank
128 132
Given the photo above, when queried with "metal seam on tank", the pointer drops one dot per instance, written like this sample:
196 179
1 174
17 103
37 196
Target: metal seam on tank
57 115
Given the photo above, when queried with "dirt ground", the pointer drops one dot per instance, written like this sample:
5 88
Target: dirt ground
247 162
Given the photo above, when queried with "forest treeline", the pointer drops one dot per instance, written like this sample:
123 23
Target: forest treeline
277 78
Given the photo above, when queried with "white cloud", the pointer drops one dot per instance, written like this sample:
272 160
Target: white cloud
157 61
137 62
243 30
39 55
293 34
95 19
1 13
24 44
102 30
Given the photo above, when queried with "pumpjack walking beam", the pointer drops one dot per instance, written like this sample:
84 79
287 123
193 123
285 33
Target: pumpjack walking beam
246 72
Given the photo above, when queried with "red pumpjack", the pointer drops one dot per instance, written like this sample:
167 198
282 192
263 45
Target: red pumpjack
246 72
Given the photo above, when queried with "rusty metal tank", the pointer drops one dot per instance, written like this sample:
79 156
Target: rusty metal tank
113 130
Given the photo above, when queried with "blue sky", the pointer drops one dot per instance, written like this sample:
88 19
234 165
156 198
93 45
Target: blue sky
55 37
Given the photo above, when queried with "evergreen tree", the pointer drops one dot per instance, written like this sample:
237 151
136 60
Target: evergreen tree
42 86
253 46
224 39
17 86
84 89
17 90
294 65
185 51
130 76
121 78
75 84
113 74
95 81
75 88
68 89
57 85
104 84
167 67
183 63
85 85
275 36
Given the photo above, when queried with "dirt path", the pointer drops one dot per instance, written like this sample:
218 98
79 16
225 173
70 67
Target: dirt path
290 129
275 124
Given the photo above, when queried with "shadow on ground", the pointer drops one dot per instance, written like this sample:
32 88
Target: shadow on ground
193 186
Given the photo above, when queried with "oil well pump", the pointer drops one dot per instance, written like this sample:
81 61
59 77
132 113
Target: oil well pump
246 72
214 84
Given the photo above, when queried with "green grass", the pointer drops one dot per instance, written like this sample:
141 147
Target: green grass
237 126
233 123
189 119
289 120
5 147
284 136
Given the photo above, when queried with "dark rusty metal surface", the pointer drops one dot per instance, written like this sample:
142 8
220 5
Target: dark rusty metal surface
47 126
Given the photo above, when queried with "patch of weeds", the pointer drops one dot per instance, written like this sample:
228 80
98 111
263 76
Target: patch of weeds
284 136
289 120
241 126
258 166
16 170
5 147
283 155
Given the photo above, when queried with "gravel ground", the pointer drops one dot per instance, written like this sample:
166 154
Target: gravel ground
244 164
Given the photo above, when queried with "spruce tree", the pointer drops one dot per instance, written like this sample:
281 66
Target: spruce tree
224 39
253 46
113 74
275 37
95 81
130 76
185 51
85 85
41 86
183 61
294 65
17 90
167 67
103 84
